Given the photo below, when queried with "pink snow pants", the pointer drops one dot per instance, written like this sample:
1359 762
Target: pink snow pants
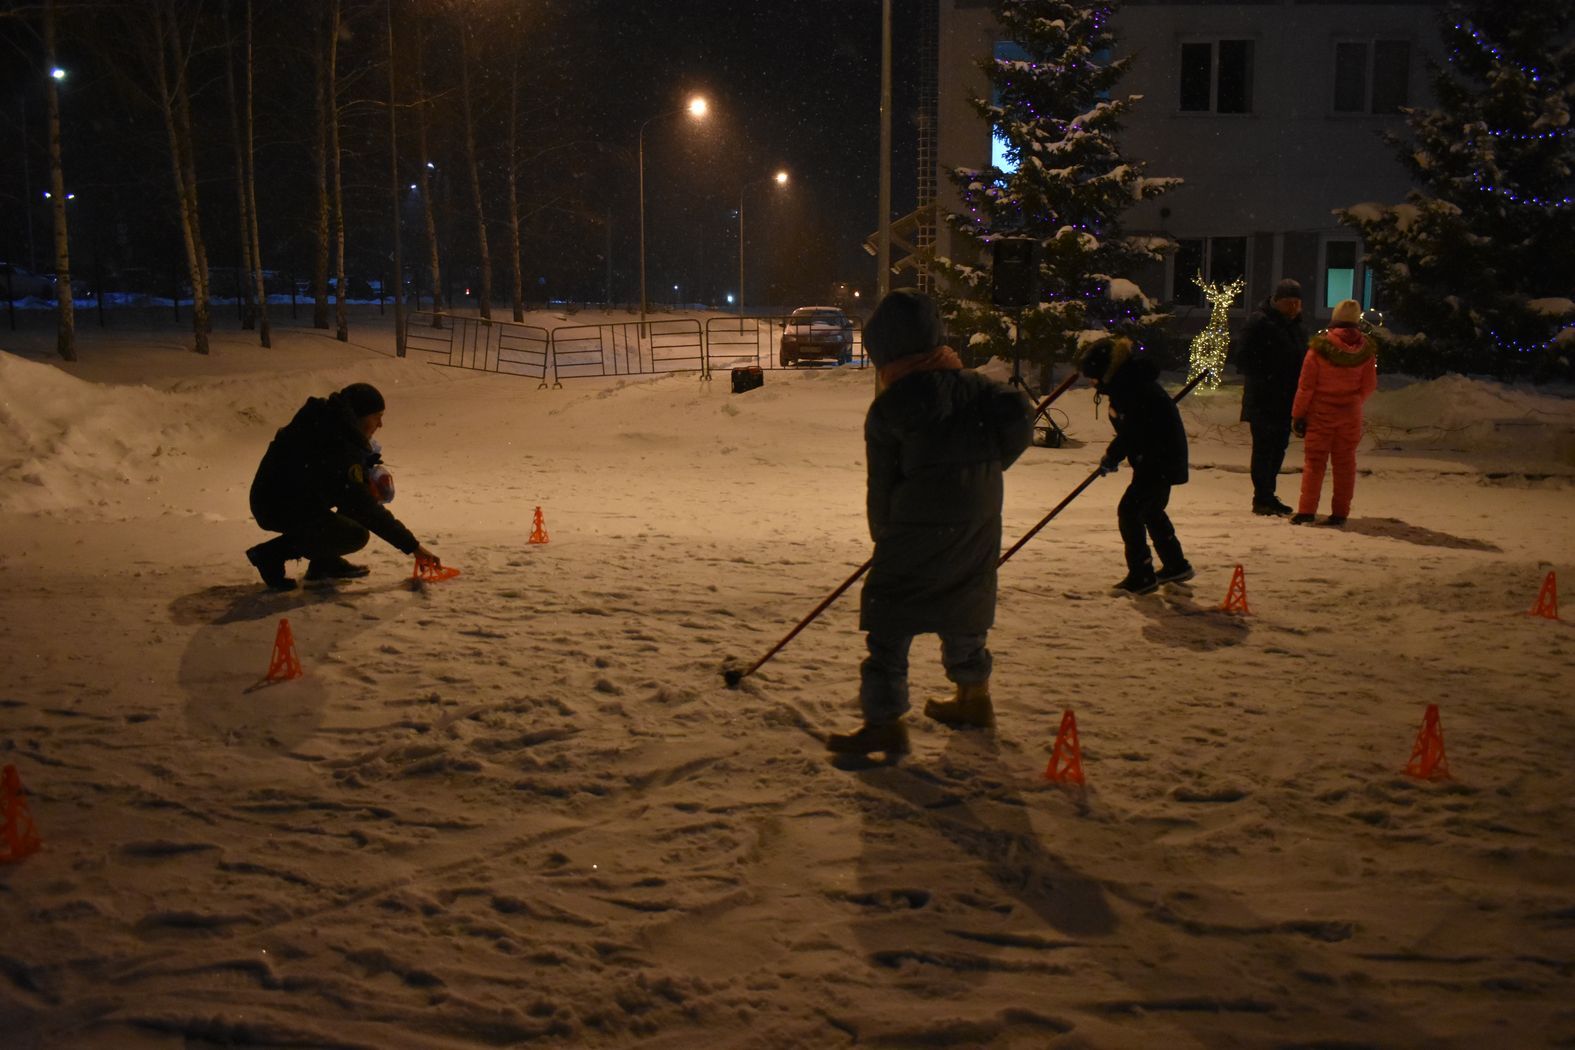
1332 435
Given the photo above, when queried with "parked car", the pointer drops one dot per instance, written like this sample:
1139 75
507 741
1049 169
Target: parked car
822 334
24 283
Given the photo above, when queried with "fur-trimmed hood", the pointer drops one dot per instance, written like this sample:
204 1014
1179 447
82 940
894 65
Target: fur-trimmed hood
1344 347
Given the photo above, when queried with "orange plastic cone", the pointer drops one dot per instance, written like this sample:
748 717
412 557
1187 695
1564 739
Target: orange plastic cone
1066 758
539 533
1236 597
432 570
1547 605
18 833
284 665
1427 754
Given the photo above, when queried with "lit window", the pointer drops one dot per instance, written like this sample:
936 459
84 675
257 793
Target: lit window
1001 150
1339 272
1216 76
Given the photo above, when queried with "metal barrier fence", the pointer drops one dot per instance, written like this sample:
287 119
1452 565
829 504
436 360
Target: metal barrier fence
505 347
618 349
600 350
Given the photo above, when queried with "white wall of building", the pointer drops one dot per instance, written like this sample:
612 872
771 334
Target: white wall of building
1271 176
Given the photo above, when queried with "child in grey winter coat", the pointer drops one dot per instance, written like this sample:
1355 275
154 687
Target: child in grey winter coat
937 439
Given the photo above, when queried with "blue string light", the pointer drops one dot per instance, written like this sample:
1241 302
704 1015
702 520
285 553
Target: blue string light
1523 198
1529 72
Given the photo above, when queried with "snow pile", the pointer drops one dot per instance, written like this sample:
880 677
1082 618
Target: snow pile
66 443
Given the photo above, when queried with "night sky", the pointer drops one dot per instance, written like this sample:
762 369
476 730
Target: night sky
791 85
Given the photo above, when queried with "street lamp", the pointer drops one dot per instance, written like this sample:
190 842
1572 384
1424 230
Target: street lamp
781 179
696 109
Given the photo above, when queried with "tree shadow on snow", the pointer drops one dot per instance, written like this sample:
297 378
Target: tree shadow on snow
1395 529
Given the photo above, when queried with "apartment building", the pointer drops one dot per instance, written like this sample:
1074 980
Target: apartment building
1271 112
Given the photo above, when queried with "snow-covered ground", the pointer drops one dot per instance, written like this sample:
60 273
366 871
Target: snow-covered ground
520 807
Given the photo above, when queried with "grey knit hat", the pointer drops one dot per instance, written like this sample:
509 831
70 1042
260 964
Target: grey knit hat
905 323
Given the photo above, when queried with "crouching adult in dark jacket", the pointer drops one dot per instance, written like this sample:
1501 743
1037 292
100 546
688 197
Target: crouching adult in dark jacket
1270 361
1150 436
312 487
937 439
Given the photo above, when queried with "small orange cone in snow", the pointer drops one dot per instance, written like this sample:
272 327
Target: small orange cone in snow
1236 596
18 834
539 533
1547 605
284 665
1427 754
432 570
1066 758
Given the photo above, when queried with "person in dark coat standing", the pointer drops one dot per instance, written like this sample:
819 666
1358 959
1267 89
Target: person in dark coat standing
1272 347
312 486
1150 436
937 439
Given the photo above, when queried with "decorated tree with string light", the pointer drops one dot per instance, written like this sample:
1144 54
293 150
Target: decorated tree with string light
1055 112
1480 260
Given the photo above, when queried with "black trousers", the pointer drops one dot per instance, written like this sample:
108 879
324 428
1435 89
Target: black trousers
1269 442
318 535
1141 517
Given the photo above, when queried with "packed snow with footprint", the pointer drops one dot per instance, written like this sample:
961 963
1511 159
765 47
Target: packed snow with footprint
521 807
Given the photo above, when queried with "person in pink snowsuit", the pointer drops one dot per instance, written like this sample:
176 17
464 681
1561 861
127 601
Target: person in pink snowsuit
1339 373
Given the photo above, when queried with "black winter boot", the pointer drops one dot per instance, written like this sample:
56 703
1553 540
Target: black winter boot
268 559
1138 583
335 568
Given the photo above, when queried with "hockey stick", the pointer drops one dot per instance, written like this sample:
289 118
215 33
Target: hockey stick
732 674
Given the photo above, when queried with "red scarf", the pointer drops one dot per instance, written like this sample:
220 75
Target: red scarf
941 359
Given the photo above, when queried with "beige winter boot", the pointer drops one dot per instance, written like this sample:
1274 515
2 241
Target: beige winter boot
969 709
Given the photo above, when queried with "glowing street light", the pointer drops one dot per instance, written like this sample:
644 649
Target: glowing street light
696 108
58 73
781 179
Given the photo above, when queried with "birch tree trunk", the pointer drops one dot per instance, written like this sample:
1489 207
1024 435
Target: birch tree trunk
167 58
484 300
259 283
516 264
320 159
200 290
242 202
393 175
66 317
341 313
424 181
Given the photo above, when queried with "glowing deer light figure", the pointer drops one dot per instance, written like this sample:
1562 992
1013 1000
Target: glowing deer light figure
1210 346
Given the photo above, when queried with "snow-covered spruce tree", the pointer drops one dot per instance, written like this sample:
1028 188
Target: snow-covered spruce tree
1478 262
1058 117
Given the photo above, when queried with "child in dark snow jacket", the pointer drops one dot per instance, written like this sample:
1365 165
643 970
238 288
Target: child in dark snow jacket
937 439
1150 436
1339 374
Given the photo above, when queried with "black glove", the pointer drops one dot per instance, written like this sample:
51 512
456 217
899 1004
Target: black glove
1299 426
1108 465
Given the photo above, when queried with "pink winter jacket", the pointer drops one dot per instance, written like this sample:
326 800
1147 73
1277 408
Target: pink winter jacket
1339 372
